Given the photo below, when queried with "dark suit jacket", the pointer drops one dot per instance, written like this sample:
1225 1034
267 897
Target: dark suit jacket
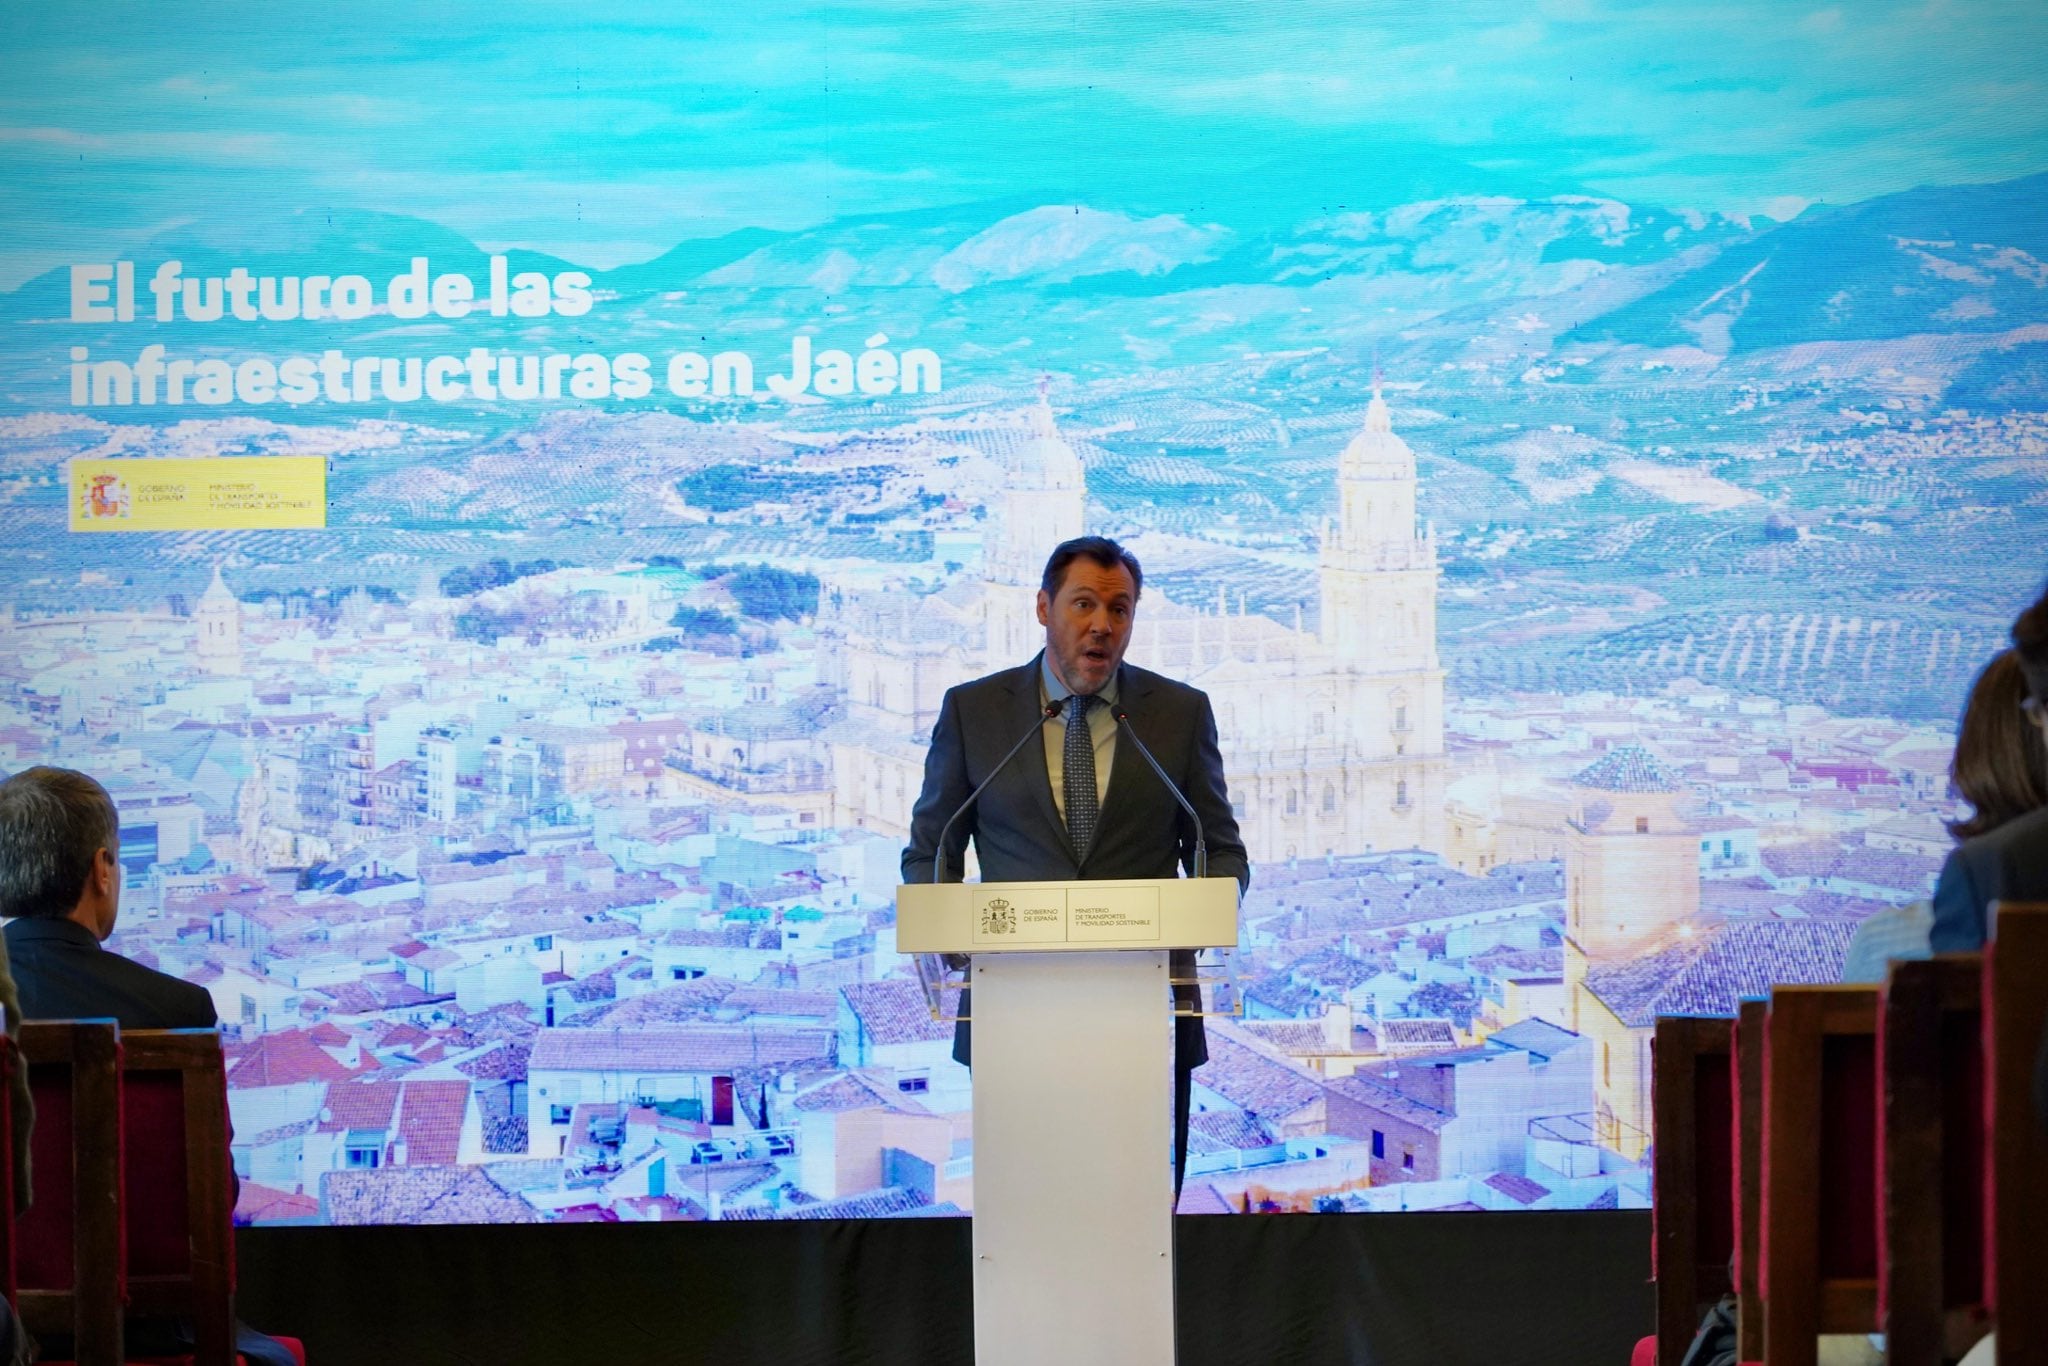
2008 864
64 974
1016 829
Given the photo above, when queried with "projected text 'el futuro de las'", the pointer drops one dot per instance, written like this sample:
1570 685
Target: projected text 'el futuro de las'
108 293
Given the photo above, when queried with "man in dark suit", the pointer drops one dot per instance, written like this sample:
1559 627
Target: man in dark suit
1082 806
60 888
2011 862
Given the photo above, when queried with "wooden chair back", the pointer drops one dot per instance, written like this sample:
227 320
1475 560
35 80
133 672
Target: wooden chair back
1819 1272
1931 1238
68 1255
2016 1195
1692 1173
1746 1086
179 1179
10 1068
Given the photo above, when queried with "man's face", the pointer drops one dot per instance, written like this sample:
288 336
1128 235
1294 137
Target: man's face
1088 623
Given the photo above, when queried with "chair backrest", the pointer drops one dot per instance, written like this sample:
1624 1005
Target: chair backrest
68 1255
179 1178
1692 1174
1746 1089
10 1068
1819 1254
2016 1195
1931 1238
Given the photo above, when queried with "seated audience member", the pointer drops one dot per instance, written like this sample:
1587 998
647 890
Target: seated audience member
2011 862
60 843
60 889
2001 771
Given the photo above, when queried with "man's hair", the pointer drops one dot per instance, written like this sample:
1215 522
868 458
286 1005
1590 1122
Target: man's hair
1099 549
2030 643
53 823
2001 766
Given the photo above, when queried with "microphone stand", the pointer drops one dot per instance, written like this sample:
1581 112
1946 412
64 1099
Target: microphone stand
1046 713
1201 860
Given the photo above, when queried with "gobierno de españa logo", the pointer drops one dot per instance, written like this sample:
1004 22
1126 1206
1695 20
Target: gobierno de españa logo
998 917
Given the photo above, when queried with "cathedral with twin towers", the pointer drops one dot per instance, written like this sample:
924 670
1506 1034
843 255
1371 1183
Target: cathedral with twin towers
1332 738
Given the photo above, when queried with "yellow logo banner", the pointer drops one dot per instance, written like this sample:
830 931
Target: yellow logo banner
237 493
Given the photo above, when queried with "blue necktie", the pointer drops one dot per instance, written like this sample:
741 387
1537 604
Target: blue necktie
1078 775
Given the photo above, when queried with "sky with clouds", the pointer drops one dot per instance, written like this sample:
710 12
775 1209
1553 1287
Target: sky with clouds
606 132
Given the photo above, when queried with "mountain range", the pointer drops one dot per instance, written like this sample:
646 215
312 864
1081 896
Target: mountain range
1013 287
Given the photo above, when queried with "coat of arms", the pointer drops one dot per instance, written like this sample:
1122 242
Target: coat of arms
998 917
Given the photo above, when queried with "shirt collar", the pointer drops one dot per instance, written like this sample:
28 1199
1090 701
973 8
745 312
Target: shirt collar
1050 689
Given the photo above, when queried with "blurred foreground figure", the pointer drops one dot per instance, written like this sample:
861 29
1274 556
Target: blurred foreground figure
60 888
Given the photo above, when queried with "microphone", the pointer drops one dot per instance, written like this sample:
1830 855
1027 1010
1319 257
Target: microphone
1045 714
1123 720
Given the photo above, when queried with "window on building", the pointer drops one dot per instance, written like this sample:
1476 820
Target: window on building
1400 792
1400 718
1642 825
914 1083
364 1156
558 1114
683 974
1379 1144
1407 1158
1293 801
1329 797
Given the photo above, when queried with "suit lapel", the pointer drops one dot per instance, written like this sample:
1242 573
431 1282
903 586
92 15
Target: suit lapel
1024 705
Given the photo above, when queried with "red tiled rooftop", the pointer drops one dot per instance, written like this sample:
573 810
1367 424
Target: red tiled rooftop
420 1195
358 1105
1520 1189
894 1011
1255 1080
856 1091
676 1048
1712 974
430 1121
289 1058
264 1205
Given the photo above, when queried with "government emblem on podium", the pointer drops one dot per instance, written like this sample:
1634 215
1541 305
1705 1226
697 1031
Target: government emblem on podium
998 917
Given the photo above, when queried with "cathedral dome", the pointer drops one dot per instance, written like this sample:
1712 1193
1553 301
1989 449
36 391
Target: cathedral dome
1045 463
1376 452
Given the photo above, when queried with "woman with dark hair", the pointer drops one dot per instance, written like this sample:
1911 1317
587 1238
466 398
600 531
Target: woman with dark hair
2001 770
2000 767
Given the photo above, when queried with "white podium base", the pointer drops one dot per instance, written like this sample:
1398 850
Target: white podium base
1073 1167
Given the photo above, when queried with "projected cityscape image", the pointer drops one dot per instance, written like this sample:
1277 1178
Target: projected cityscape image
1586 588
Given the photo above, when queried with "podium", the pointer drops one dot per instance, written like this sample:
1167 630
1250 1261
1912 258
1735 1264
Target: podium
1072 1033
